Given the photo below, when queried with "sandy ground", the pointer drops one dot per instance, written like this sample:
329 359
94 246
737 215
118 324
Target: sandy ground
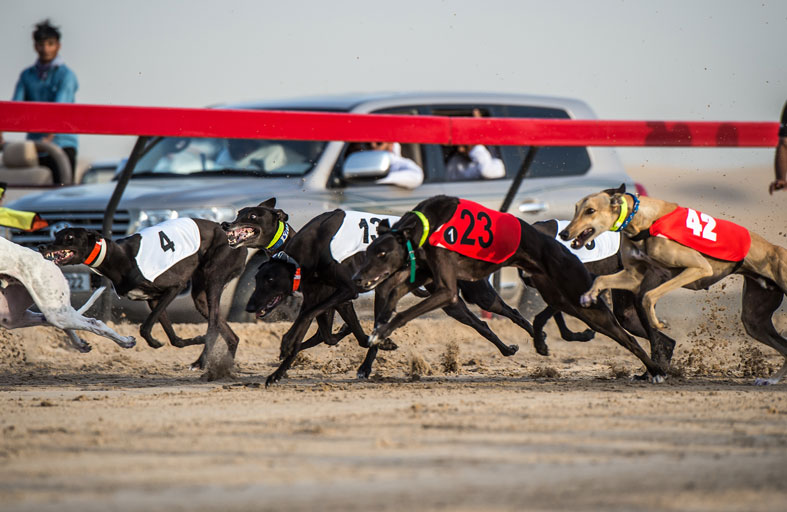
446 422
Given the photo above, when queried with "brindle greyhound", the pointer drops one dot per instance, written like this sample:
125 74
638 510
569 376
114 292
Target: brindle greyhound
210 268
266 227
764 266
559 276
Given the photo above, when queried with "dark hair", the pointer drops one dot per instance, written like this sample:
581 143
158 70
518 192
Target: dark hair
45 30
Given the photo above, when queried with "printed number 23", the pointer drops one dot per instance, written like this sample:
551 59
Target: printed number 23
166 243
694 224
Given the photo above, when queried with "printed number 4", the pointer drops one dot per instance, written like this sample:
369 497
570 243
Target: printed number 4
166 243
694 224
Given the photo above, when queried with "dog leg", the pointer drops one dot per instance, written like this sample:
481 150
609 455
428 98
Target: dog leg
462 314
78 342
568 335
539 336
758 305
627 279
483 294
156 307
688 275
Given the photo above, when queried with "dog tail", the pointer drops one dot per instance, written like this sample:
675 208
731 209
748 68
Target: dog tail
91 300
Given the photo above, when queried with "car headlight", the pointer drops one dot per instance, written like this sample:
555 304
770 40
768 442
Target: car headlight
147 218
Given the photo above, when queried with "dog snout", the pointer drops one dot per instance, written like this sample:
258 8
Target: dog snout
564 235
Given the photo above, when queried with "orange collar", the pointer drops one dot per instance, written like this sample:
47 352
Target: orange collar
97 255
296 279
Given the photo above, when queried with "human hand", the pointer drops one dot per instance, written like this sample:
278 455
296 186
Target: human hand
777 185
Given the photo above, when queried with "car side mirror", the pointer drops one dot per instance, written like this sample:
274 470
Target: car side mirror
366 165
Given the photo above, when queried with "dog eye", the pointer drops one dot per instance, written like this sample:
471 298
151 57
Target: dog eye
590 211
252 216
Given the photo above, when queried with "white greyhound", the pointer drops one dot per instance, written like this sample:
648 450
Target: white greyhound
27 278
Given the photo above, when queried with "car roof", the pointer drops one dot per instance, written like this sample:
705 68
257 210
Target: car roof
366 102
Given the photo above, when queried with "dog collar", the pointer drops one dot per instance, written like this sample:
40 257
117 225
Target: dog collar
411 257
280 237
296 278
97 255
625 218
425 223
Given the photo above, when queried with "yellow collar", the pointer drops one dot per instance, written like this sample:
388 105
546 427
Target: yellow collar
425 222
624 210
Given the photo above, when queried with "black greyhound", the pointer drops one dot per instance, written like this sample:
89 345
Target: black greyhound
557 274
210 268
626 306
322 279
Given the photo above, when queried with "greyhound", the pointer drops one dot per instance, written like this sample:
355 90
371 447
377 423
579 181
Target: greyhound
661 233
26 278
155 265
315 248
435 232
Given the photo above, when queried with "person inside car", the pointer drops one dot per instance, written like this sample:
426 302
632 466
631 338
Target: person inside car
403 172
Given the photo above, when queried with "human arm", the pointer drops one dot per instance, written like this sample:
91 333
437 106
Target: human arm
403 173
488 166
780 167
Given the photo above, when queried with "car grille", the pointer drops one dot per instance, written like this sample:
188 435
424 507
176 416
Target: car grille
58 220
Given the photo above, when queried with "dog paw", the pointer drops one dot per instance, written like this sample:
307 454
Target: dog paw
587 300
511 350
153 343
363 374
84 348
658 379
128 342
764 382
541 346
388 344
273 378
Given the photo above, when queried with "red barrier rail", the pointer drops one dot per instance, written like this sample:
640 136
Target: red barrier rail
249 124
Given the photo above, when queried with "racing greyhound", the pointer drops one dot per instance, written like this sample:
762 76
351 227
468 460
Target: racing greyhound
191 249
265 226
458 239
661 233
26 278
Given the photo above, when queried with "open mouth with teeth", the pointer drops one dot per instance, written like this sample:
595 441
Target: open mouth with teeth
582 238
370 284
59 257
237 236
270 306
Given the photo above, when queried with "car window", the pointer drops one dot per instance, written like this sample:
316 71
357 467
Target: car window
549 161
209 156
415 152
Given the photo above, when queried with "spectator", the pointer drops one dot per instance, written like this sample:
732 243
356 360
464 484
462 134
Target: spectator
49 79
780 163
403 172
473 163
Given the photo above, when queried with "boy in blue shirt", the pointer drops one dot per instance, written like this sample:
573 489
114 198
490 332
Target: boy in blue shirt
49 80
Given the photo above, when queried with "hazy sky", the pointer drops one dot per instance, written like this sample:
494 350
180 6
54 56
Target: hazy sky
671 60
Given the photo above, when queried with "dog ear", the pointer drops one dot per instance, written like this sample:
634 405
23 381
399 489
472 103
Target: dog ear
612 191
383 227
621 189
268 203
281 215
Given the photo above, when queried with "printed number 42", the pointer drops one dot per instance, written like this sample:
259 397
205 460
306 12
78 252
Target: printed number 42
694 223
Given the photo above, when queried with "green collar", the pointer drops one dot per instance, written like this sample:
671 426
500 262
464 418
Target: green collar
425 222
411 257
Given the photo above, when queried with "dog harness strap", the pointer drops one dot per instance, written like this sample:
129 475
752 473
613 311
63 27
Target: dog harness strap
296 278
97 255
425 222
280 237
642 235
623 218
411 257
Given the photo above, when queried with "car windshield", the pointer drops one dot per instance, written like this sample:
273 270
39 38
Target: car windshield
170 156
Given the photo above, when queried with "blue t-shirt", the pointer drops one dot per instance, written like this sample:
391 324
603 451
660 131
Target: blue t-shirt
58 85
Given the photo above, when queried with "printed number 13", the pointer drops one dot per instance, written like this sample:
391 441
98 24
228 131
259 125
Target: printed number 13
694 224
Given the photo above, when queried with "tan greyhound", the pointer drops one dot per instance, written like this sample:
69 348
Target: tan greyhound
763 265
